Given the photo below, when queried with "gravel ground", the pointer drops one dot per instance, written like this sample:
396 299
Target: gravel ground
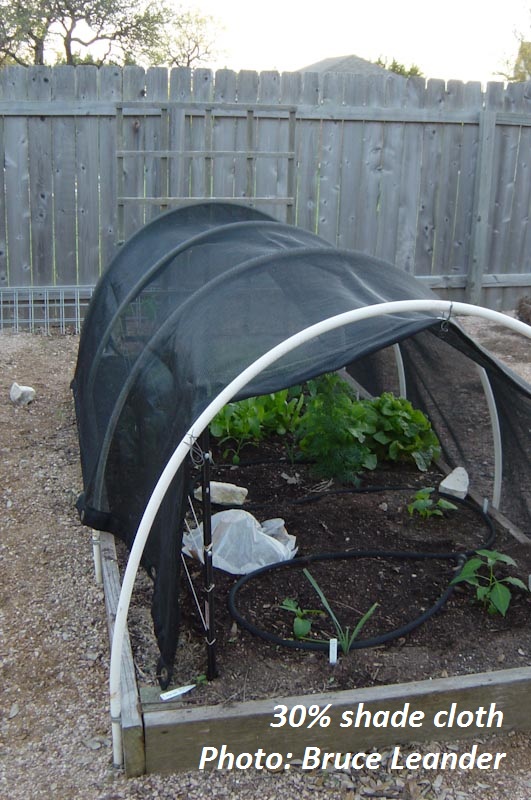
54 657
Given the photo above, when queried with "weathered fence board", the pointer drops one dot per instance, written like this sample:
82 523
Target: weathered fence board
200 130
155 139
308 159
521 205
40 178
433 177
134 130
225 137
87 180
179 92
64 182
110 90
407 197
373 141
330 166
390 174
448 189
3 232
16 171
467 166
351 200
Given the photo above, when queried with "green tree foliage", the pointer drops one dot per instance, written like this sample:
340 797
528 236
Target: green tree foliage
186 40
400 69
522 66
102 31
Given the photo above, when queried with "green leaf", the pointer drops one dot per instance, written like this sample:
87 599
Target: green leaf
500 597
442 503
422 460
394 450
472 566
494 557
356 433
289 604
216 429
382 437
323 600
471 579
516 582
469 572
365 618
301 627
370 461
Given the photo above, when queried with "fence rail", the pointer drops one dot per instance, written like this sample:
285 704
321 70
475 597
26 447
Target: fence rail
431 176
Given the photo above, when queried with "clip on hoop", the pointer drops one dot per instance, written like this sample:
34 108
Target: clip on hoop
446 320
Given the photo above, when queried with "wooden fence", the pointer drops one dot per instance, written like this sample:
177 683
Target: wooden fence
433 177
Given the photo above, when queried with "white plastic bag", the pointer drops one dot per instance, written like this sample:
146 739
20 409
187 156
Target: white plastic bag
240 544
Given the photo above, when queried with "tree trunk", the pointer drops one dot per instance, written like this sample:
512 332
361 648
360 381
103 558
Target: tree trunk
38 52
68 49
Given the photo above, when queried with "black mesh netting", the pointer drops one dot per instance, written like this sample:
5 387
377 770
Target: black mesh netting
198 295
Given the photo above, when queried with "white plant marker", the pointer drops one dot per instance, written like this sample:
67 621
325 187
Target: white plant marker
173 693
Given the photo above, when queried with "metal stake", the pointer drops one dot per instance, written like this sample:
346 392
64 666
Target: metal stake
208 570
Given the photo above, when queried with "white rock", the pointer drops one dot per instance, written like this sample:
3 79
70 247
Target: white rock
456 483
224 494
21 395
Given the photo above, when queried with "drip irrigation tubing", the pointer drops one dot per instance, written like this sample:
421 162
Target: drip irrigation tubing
315 497
358 644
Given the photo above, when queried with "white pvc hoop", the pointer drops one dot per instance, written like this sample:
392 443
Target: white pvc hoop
443 307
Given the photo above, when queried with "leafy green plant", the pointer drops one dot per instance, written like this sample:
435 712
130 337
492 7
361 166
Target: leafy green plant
402 432
345 435
345 636
424 504
333 428
339 433
492 592
302 622
254 419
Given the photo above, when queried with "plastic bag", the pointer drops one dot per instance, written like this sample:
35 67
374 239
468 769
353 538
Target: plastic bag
241 544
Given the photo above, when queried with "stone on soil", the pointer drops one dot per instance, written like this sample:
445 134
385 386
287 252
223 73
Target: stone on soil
456 483
21 395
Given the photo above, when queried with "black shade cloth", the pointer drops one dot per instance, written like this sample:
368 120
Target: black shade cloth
199 294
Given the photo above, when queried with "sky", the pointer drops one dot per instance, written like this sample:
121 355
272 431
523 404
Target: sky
450 39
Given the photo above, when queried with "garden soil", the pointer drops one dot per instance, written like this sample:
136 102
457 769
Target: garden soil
54 651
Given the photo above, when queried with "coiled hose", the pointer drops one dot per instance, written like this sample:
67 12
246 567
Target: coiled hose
302 561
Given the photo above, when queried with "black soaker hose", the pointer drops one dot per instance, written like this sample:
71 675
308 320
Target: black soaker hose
357 644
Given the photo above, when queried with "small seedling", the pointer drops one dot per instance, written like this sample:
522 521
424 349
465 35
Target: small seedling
424 504
492 592
302 623
344 636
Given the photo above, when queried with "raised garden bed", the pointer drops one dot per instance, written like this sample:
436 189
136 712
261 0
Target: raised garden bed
461 656
446 657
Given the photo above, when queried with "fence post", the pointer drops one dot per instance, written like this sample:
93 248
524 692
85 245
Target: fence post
481 207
